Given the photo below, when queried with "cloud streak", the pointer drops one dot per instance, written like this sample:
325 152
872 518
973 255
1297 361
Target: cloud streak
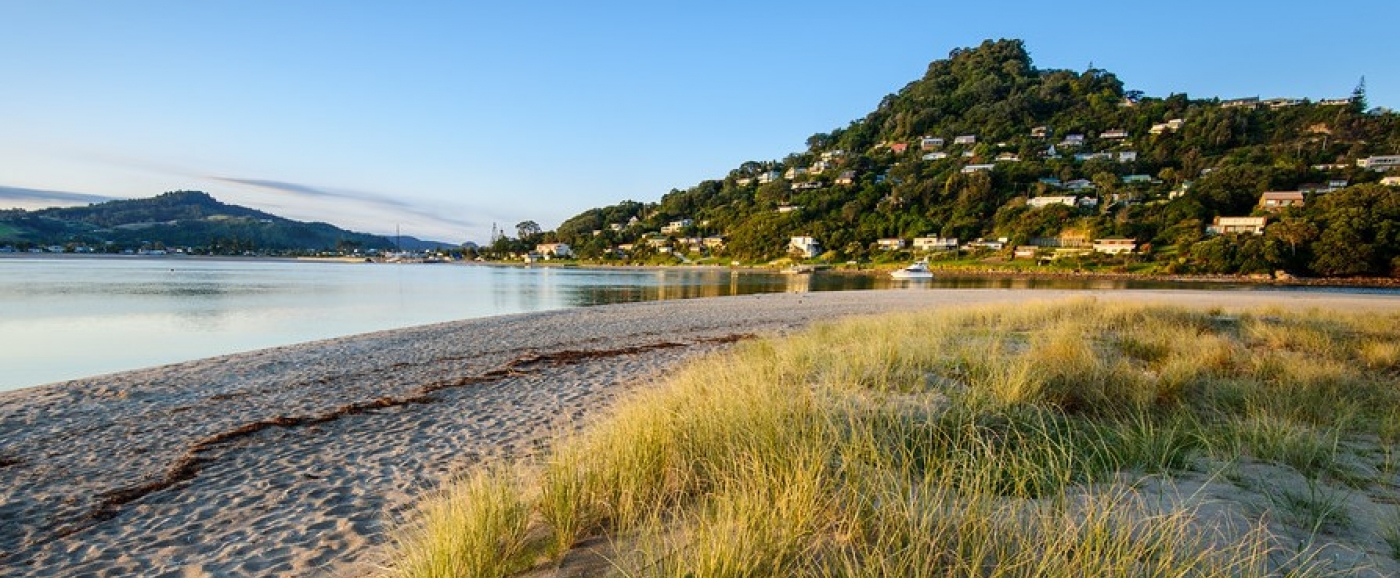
24 198
381 205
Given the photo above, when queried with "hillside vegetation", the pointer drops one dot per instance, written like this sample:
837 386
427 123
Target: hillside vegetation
1177 164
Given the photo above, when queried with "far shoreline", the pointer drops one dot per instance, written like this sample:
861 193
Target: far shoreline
868 270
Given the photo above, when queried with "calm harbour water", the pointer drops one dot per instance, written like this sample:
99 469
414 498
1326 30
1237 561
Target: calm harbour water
66 318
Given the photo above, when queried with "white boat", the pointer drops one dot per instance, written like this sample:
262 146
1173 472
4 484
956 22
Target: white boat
918 270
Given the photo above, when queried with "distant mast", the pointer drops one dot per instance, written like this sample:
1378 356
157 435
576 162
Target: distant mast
398 239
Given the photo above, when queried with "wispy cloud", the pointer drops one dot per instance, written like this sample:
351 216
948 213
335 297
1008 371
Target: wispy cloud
369 207
22 198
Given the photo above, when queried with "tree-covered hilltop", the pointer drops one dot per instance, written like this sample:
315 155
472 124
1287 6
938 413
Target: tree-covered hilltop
185 219
966 151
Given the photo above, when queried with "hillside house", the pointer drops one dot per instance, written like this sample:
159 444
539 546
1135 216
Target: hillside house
1336 184
1277 103
744 181
554 250
899 147
935 156
1380 163
1040 132
1050 181
1115 246
676 226
931 244
1138 179
1083 157
713 242
833 154
1127 156
807 186
1072 140
1172 125
1334 102
1007 158
890 244
1235 225
1391 181
976 168
1080 185
807 247
1024 252
996 245
846 178
1039 202
795 172
820 167
929 143
967 139
789 208
768 177
1250 102
1115 134
1275 200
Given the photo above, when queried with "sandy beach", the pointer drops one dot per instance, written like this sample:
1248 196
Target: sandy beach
293 460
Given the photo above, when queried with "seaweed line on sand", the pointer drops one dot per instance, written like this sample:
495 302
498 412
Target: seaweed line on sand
189 465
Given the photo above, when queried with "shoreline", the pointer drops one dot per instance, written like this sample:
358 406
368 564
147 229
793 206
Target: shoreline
293 460
872 270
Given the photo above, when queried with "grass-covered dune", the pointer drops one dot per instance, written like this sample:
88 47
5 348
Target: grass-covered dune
1065 439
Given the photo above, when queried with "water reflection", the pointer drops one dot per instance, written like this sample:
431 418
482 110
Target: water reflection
68 318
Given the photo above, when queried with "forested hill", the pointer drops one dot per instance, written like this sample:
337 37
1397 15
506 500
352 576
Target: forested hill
186 219
985 145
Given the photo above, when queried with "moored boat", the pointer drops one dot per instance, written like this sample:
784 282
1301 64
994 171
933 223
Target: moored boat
918 270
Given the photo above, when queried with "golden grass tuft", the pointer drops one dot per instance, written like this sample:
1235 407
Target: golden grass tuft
977 442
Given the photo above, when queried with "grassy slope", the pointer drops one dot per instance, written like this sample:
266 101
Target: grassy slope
1073 439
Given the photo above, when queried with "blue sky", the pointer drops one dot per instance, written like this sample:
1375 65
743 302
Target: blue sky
444 117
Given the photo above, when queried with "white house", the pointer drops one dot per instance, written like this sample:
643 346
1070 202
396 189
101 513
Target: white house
1039 202
795 172
935 156
1391 181
556 250
805 246
1007 158
967 139
1040 132
1115 134
996 245
1228 225
930 244
676 226
929 143
1115 246
768 177
1380 163
1079 185
890 244
976 168
1072 140
1127 156
846 178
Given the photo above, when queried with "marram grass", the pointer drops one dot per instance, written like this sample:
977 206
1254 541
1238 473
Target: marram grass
979 442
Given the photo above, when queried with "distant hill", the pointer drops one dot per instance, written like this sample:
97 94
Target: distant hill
186 219
986 145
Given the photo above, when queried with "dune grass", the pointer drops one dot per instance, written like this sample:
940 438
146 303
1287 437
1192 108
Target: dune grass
978 442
